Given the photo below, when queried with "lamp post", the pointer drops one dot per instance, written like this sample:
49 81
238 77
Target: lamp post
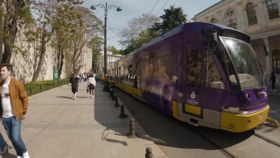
105 7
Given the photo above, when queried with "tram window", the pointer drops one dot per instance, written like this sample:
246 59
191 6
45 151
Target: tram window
213 76
146 68
193 68
163 71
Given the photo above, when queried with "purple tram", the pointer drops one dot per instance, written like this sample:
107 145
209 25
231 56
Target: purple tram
201 73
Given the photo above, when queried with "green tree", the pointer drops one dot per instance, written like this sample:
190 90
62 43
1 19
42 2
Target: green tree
137 33
114 50
41 35
14 14
46 12
74 27
96 47
171 18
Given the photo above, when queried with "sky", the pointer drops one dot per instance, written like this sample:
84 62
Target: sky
116 21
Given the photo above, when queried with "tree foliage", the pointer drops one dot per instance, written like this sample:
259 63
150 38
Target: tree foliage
69 27
14 14
171 18
137 32
64 24
95 44
145 28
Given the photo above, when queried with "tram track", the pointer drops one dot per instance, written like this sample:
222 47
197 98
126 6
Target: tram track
234 152
223 150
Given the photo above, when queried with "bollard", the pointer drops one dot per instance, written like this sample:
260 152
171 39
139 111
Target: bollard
122 115
111 92
105 86
131 133
117 102
149 153
114 97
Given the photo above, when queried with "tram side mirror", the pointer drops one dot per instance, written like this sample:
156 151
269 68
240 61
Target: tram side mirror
214 40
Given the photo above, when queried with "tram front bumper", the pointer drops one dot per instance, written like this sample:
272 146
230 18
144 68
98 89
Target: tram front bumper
243 122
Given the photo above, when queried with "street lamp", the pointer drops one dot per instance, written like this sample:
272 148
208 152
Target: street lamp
106 7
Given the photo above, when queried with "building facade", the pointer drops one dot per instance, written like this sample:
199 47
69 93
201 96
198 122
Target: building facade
111 58
260 19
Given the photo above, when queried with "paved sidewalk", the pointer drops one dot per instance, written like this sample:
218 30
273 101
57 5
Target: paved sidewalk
59 127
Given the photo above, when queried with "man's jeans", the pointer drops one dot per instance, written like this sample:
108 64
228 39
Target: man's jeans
3 144
13 129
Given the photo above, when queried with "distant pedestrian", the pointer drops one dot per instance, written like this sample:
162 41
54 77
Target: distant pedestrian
14 103
91 85
272 80
74 80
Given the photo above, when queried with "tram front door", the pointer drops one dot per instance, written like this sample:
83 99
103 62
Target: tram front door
191 97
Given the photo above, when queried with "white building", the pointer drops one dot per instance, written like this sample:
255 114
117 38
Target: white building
260 19
110 59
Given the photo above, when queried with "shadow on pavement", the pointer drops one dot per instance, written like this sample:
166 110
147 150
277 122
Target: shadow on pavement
8 155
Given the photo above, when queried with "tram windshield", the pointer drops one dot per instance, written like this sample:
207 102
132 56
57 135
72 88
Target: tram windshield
244 62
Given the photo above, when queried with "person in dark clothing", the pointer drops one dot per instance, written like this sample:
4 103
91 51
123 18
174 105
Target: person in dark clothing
74 80
272 80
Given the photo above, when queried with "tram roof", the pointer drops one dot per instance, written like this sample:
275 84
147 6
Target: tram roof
222 29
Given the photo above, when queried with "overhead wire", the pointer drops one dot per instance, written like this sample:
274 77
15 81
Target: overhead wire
153 7
163 6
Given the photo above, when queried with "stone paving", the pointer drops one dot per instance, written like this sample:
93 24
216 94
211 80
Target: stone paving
60 127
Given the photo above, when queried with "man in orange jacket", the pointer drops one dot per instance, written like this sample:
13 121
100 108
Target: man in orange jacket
14 102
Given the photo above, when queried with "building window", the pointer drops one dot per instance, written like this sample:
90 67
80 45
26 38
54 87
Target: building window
214 20
251 14
276 60
230 19
272 8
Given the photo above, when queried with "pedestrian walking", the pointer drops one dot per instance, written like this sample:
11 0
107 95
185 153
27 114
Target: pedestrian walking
272 80
74 80
14 103
91 85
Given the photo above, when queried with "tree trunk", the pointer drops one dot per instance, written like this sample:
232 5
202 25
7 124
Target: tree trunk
12 10
60 58
61 64
41 57
10 25
1 36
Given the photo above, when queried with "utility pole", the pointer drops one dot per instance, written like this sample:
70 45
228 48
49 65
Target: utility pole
105 7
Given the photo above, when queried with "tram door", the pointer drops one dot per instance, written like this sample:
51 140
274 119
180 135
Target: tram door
203 89
192 75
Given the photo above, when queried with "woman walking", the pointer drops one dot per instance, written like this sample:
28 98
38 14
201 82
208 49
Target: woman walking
91 85
74 80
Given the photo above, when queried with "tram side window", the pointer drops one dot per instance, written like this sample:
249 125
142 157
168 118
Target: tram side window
193 68
146 68
163 70
213 76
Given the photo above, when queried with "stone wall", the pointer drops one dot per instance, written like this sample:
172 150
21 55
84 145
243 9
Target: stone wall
24 61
